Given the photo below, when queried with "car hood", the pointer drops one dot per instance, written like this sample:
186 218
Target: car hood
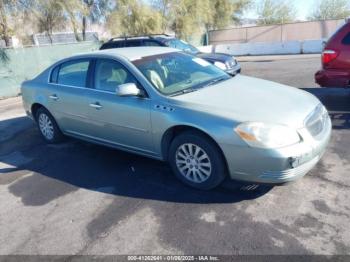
243 98
215 56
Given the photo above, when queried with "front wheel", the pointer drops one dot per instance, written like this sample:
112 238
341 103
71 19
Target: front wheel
197 161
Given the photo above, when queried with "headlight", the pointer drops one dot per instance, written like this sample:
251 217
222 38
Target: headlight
220 65
263 135
231 63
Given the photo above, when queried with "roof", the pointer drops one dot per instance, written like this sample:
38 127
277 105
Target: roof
138 37
134 53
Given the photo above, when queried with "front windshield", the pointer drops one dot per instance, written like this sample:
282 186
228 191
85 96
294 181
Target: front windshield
177 72
182 45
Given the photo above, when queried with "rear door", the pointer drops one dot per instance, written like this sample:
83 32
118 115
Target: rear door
122 121
67 95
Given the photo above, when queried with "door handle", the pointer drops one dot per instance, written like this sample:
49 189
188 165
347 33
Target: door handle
96 105
54 97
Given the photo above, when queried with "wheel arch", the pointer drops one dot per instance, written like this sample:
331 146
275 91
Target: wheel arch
174 131
35 107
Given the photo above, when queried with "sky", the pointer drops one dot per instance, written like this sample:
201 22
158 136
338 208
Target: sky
303 8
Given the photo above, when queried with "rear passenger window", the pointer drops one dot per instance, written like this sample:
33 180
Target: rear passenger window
118 44
133 43
346 39
73 73
150 43
114 44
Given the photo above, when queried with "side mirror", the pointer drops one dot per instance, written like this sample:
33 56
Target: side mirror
129 89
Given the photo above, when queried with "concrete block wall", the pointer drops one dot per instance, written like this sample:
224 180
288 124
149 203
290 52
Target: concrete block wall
267 48
299 31
312 46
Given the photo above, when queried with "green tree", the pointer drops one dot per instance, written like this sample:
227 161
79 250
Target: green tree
94 11
49 15
163 7
238 7
226 12
330 9
195 16
80 11
134 18
73 10
87 10
275 12
24 22
187 17
7 8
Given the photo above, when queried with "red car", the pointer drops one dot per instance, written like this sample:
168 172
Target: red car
335 70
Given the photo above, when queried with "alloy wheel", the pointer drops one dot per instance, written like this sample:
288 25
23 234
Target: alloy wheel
46 126
193 163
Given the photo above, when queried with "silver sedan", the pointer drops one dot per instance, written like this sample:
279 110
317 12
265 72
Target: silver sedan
164 104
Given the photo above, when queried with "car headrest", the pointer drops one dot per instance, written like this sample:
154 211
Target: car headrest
156 80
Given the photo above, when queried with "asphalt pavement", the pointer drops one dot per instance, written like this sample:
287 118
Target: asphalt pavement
79 198
293 70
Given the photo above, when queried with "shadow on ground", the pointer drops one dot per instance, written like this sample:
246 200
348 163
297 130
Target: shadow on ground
72 165
56 170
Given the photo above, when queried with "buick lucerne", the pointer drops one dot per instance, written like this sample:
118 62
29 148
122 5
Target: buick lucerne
165 104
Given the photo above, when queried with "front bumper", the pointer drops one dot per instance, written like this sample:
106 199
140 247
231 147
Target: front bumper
277 166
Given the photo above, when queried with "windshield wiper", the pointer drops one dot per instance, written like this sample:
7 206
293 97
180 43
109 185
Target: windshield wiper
191 89
184 91
215 81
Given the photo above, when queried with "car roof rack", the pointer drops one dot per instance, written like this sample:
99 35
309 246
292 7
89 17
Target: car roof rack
125 37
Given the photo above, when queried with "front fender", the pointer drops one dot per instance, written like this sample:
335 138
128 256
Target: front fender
166 117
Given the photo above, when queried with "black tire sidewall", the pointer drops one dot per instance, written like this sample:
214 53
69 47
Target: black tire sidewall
218 164
57 136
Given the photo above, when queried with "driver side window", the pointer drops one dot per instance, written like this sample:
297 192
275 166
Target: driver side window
109 74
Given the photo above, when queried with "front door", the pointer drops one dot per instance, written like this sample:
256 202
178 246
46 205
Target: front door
122 121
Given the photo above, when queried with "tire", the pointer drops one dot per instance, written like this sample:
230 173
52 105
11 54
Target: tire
197 161
48 127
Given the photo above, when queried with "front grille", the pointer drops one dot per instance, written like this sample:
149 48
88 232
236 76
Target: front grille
317 120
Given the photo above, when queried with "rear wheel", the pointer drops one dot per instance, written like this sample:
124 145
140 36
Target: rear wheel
197 161
48 126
